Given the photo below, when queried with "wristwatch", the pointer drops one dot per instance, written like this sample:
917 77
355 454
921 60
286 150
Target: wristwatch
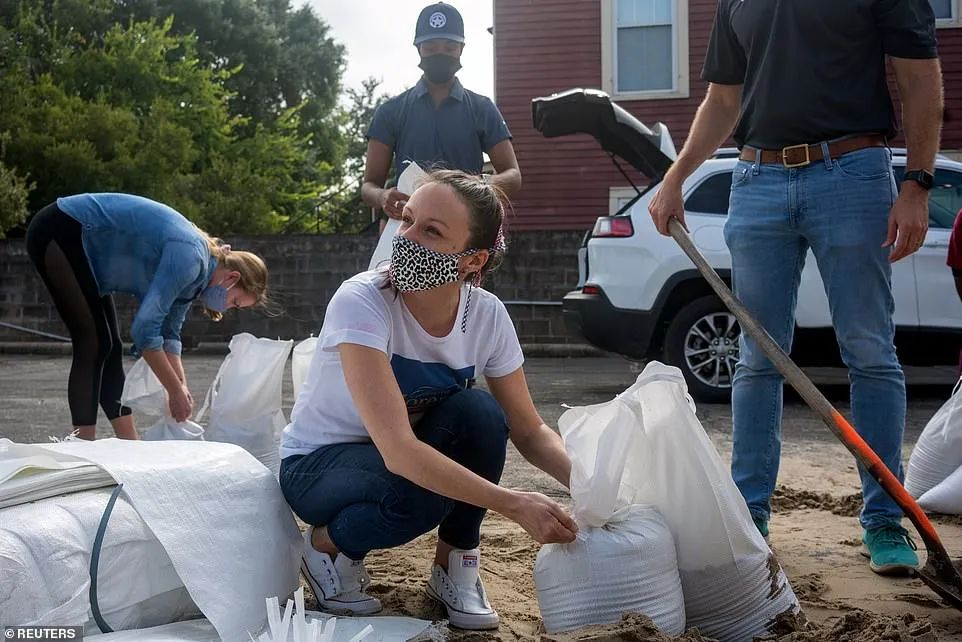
921 176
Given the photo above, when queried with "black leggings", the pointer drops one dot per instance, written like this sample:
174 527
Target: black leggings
55 247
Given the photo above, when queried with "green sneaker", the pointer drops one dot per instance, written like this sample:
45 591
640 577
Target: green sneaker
761 525
890 550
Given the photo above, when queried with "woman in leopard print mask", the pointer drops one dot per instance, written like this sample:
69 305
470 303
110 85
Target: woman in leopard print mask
389 439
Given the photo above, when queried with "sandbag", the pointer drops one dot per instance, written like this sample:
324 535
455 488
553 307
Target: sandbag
144 392
219 514
45 550
244 400
301 363
626 566
649 447
938 454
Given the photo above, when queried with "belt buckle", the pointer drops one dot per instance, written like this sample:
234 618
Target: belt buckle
786 150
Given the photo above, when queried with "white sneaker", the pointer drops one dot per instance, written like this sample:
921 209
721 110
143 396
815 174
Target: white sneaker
338 585
461 592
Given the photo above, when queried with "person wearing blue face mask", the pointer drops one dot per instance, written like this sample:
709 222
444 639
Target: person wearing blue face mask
88 246
437 123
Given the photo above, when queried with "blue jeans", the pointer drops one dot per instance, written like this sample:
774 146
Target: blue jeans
839 208
347 487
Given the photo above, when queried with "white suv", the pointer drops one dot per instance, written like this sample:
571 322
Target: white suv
640 296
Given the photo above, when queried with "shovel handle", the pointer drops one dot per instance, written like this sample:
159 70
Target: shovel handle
813 397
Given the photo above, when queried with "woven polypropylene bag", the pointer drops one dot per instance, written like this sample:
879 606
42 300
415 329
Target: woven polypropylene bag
626 566
938 452
647 447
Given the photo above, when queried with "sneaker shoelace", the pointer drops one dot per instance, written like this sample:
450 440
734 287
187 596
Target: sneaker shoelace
896 536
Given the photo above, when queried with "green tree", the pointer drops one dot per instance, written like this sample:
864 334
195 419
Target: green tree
135 109
341 209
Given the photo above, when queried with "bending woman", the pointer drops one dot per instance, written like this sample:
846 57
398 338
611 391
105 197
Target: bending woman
88 246
388 437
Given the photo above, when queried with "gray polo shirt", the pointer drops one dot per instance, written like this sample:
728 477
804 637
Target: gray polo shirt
452 135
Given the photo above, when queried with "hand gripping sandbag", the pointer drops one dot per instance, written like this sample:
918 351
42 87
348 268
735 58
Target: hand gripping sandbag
301 362
623 560
626 566
938 452
649 444
244 400
144 392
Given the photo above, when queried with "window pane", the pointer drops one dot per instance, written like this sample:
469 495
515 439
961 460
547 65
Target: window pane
945 199
645 58
942 8
642 13
711 197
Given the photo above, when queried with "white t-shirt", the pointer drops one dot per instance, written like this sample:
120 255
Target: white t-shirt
428 369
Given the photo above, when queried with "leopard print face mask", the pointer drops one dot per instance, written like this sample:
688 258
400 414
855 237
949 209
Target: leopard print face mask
415 268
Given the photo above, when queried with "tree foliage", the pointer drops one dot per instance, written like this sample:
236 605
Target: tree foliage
225 109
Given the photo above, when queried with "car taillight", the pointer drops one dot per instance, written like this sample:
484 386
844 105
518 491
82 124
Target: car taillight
613 226
591 289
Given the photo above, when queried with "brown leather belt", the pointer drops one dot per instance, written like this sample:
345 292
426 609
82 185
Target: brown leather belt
802 155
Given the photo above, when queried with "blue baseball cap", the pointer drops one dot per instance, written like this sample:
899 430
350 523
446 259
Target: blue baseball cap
439 21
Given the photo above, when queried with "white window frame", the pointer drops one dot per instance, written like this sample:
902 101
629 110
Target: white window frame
616 194
680 46
955 20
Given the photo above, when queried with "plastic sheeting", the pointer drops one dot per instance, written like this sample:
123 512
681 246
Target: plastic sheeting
219 515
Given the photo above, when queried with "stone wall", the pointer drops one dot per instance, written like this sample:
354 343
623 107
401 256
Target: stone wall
305 271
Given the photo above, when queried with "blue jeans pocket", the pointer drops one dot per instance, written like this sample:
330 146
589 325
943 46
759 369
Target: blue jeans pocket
870 164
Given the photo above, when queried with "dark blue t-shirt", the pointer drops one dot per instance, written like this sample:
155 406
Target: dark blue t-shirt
453 135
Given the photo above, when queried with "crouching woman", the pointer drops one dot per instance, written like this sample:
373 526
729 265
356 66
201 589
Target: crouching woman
389 439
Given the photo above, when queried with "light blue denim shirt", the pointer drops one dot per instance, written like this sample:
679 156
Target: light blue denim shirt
145 248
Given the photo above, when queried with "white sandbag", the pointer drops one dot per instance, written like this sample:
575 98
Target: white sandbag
407 182
301 363
144 392
649 444
626 566
938 452
244 399
45 550
945 497
219 515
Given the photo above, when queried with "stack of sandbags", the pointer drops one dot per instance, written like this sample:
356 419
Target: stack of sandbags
45 551
198 528
647 447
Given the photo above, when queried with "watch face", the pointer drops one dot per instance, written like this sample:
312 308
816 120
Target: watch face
926 179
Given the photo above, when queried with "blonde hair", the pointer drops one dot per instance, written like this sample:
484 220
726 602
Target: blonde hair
252 270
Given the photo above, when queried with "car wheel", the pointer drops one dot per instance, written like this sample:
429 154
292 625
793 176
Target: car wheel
702 340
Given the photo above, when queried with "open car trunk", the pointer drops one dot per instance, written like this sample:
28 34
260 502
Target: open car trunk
589 111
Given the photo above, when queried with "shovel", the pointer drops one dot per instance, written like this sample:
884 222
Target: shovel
938 572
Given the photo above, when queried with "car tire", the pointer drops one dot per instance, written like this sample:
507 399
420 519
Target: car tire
702 341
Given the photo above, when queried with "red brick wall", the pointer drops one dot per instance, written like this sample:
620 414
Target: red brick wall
546 46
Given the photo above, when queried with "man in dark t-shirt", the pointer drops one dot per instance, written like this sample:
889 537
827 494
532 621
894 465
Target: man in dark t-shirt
805 83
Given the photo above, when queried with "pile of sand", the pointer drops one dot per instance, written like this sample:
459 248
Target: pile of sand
786 499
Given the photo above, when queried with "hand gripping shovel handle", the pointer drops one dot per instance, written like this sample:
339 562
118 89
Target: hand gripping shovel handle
939 573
